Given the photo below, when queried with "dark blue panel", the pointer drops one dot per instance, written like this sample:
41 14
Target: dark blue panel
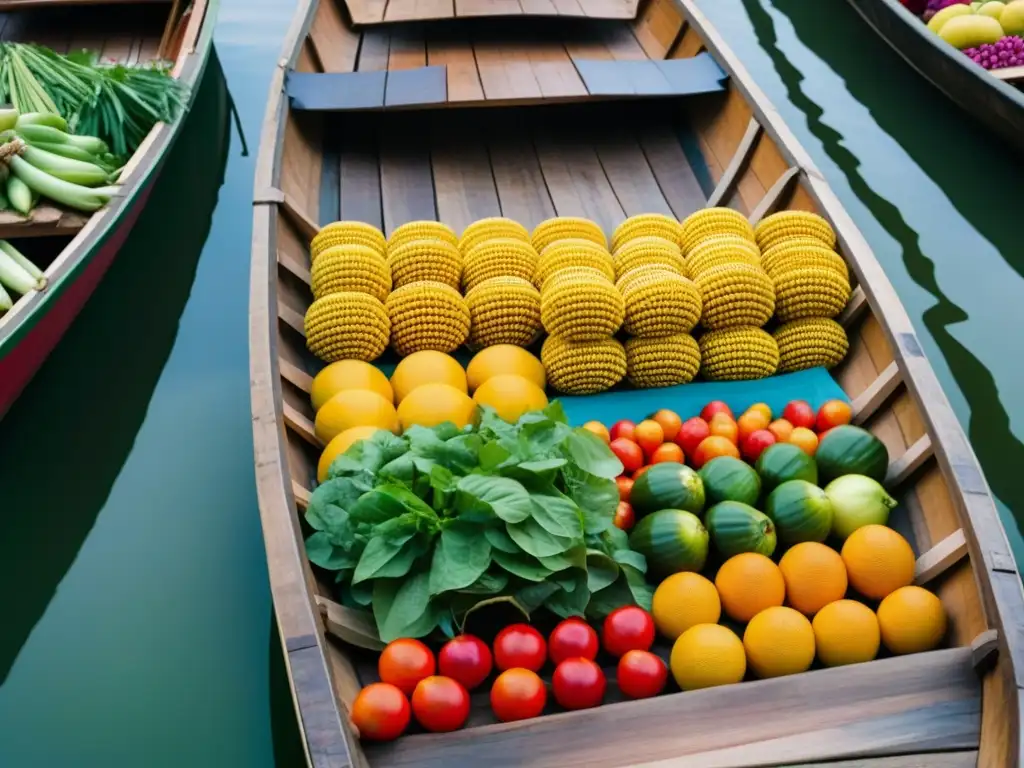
423 85
604 78
677 77
336 90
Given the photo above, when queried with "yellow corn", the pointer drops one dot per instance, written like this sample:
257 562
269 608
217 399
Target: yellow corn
572 252
350 268
427 315
417 260
498 257
583 368
735 294
782 258
660 303
721 249
421 230
648 250
645 225
809 343
347 325
491 229
662 362
709 222
809 292
504 310
773 228
565 227
348 233
738 353
581 306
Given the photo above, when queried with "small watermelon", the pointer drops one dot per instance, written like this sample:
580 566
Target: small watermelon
727 478
668 485
782 462
850 450
737 528
801 512
672 540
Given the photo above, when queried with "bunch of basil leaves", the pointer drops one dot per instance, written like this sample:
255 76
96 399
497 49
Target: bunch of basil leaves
421 528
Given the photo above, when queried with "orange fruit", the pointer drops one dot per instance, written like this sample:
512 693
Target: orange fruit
748 583
781 429
432 404
804 439
427 367
779 641
338 445
598 429
762 408
511 396
815 576
878 561
348 374
750 422
499 359
832 414
707 655
845 632
354 408
684 600
648 434
912 620
670 422
722 425
711 447
667 452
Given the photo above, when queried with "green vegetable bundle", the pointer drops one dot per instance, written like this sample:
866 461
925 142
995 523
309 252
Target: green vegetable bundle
422 528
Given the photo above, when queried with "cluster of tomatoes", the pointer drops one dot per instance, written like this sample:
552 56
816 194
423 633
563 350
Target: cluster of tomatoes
410 688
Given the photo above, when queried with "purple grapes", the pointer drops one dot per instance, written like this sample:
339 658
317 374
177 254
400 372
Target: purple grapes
1008 52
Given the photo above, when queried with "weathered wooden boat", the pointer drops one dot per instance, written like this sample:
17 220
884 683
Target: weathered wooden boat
605 119
76 249
996 97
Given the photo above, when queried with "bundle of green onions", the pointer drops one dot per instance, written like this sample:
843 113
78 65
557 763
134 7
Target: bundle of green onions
17 274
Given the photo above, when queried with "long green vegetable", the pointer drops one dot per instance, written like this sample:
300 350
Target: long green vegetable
23 261
5 300
65 168
14 276
19 195
72 195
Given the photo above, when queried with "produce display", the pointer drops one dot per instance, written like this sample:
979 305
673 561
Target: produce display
991 33
18 275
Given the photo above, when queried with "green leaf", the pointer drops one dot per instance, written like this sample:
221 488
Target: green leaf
375 507
539 440
323 553
503 496
592 455
391 445
492 455
362 594
601 570
329 504
533 596
630 558
407 498
543 465
499 539
489 583
401 469
570 603
597 497
556 412
557 515
521 565
535 540
446 430
441 479
460 558
406 610
642 592
514 602
386 556
608 599
574 557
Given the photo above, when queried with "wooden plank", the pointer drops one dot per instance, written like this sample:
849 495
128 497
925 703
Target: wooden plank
672 170
518 180
630 176
366 11
773 197
463 80
336 45
292 318
658 28
568 8
295 375
554 71
463 181
301 494
424 85
505 72
609 9
985 650
348 625
731 176
45 220
911 461
373 54
406 182
855 308
408 49
336 91
487 8
360 198
867 403
619 40
959 759
940 558
302 426
416 10
299 270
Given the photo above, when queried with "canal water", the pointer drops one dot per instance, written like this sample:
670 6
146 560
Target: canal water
137 625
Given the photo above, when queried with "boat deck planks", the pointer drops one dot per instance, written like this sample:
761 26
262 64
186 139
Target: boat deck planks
368 12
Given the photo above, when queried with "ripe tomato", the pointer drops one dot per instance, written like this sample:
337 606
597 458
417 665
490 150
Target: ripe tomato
467 659
833 414
518 694
750 422
578 684
670 422
799 413
804 439
440 704
625 517
380 712
572 638
781 429
627 628
519 645
641 674
667 452
757 442
625 487
761 408
628 452
622 428
715 407
712 447
598 429
649 435
691 433
724 426
636 475
405 662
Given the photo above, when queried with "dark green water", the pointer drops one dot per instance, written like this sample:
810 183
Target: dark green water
137 624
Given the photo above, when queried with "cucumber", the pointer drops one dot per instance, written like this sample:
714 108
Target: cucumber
727 478
801 512
782 462
668 485
735 528
850 450
672 540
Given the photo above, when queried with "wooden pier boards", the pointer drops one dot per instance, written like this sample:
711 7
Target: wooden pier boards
387 11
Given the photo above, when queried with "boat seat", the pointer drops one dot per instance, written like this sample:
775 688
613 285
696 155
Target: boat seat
17 5
46 219
365 12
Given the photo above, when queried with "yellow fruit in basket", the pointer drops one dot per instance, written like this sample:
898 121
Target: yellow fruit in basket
350 268
511 396
493 228
789 254
810 342
504 359
499 257
354 408
912 620
644 251
684 600
572 252
583 368
663 361
878 561
845 632
815 576
709 222
338 445
1012 18
738 354
646 225
503 310
347 325
774 228
748 583
416 260
721 249
734 295
564 227
426 367
707 655
421 230
348 233
971 31
581 307
427 315
348 374
947 13
433 404
779 641
660 303
809 291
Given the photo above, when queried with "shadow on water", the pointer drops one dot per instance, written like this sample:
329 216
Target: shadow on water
885 81
64 442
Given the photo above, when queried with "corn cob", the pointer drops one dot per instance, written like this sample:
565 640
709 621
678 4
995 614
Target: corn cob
660 303
347 325
709 222
572 252
499 257
809 292
583 368
738 353
427 315
645 225
565 227
809 343
581 306
662 362
491 229
773 228
417 260
648 250
734 295
350 268
781 258
721 249
503 310
421 230
348 233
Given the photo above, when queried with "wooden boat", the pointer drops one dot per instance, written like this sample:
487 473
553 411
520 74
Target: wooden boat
658 116
995 97
76 249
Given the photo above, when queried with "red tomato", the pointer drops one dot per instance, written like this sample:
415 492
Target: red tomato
440 704
799 413
598 429
405 662
711 447
518 694
804 439
667 452
781 429
380 712
713 408
578 684
757 442
641 674
636 475
723 426
624 515
649 435
625 487
691 433
628 452
750 422
833 414
622 428
572 638
467 659
670 422
519 645
626 629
